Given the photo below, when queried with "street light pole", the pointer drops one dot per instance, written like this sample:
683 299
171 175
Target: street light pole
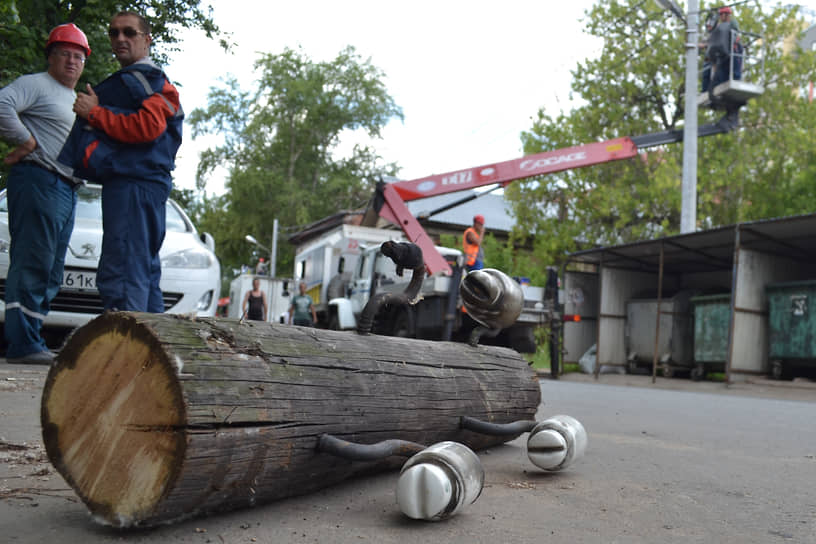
251 239
688 205
274 252
688 188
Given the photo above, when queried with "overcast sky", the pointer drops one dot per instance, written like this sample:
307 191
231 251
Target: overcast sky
469 75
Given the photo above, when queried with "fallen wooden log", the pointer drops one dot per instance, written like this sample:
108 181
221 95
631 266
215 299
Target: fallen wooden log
154 418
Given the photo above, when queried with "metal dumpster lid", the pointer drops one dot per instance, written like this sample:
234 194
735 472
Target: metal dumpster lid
711 298
788 284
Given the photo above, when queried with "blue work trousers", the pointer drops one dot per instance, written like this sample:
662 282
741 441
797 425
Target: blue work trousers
133 225
41 210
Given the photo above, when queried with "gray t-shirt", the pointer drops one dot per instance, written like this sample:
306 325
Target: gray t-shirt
38 105
302 304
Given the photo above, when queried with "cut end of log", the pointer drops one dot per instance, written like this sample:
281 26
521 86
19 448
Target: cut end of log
111 413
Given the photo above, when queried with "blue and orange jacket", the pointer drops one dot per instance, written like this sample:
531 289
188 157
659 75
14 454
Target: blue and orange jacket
135 131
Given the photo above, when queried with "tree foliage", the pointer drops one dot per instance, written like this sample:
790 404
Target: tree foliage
507 256
25 24
636 86
280 146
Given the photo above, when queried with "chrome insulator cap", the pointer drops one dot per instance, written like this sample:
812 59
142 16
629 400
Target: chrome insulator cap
556 443
439 481
491 297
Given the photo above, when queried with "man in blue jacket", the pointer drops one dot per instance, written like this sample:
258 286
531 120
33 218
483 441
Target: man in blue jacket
127 132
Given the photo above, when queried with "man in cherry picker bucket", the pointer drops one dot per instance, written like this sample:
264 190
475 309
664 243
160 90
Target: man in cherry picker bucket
720 52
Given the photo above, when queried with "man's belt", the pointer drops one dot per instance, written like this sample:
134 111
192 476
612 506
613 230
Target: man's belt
71 183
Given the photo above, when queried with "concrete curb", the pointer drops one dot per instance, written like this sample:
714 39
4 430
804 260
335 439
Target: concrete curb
641 380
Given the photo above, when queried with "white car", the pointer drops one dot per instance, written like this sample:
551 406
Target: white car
191 273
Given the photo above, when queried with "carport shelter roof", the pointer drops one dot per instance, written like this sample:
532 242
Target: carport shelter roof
710 250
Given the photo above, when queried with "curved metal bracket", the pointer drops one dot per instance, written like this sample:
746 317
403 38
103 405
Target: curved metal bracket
353 451
497 429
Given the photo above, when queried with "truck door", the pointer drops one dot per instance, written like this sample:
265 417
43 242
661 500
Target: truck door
361 282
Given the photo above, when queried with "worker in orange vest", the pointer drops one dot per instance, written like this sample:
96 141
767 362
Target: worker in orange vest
472 244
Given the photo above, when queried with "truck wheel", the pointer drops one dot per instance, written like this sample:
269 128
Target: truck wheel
522 339
403 325
334 323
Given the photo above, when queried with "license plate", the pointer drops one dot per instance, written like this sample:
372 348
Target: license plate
75 280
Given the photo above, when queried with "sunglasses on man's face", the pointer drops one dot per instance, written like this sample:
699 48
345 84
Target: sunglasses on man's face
129 32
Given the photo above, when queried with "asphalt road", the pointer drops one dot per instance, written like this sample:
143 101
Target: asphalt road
677 461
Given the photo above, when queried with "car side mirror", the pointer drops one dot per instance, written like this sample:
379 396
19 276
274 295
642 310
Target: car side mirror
208 240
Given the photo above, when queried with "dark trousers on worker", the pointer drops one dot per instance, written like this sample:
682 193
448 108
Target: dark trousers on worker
133 223
41 208
722 70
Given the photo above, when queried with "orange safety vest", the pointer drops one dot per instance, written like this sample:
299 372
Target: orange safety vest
471 250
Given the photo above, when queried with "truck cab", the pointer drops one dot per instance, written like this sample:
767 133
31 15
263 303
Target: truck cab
328 262
438 314
375 273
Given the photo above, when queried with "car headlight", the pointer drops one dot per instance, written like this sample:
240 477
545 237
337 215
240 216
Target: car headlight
188 258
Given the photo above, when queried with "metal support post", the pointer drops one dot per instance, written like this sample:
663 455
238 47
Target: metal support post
688 207
274 253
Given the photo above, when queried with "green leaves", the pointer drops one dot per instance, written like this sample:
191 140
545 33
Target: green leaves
25 24
636 86
24 28
281 145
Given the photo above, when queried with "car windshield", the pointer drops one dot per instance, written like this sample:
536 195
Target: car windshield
89 208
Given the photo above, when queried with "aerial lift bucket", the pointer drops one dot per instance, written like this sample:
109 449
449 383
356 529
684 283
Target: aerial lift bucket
746 71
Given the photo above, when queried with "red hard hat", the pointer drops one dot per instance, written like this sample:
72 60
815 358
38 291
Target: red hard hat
479 218
725 9
69 33
261 259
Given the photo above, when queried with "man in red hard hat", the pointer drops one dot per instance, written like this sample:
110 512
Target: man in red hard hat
721 46
35 117
472 244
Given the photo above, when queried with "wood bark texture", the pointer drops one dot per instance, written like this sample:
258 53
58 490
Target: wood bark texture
153 418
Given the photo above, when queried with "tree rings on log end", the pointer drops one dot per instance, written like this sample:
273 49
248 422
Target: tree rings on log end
112 418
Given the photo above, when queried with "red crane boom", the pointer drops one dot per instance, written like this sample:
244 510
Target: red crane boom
391 198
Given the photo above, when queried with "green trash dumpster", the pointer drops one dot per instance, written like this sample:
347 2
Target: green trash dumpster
791 326
712 319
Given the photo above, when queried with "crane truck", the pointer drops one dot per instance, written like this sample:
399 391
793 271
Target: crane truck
436 315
